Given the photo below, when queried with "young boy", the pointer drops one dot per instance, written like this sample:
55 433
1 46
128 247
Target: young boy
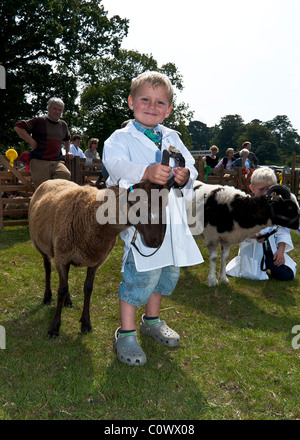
130 155
250 263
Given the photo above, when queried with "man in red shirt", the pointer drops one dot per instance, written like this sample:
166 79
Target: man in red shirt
45 135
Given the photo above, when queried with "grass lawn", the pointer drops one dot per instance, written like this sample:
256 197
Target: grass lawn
235 360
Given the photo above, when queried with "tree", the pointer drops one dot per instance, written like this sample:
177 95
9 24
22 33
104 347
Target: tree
44 44
104 104
288 140
273 141
200 135
263 142
227 133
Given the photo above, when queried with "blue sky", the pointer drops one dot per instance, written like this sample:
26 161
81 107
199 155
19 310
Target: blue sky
236 57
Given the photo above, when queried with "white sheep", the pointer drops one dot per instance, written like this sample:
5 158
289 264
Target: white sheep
231 216
64 225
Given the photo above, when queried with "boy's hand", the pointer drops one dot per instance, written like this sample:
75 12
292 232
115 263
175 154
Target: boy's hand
259 237
157 173
181 175
278 258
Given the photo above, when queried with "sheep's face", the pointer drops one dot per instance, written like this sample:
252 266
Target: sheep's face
147 212
152 235
286 212
142 206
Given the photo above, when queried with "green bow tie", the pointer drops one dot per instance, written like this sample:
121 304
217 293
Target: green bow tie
155 136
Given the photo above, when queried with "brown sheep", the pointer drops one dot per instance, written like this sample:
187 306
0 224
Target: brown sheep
63 226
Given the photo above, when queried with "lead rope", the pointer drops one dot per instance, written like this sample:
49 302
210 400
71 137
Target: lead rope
266 248
135 246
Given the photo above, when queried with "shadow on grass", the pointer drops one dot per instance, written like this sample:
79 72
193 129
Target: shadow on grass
241 303
42 378
74 377
12 235
160 390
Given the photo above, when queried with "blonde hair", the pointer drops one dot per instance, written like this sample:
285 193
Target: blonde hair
93 141
154 79
214 147
229 150
244 151
263 175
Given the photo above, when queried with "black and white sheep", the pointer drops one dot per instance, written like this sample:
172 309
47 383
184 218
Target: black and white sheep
231 216
64 225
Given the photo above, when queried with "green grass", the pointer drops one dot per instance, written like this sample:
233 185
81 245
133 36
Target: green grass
235 360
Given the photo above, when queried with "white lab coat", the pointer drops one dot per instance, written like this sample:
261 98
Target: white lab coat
126 155
247 263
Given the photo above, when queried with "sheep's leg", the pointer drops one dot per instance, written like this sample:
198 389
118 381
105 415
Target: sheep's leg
88 288
62 294
48 292
224 257
68 301
213 255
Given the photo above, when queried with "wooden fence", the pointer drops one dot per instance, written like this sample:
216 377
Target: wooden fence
16 190
16 187
237 177
84 171
241 179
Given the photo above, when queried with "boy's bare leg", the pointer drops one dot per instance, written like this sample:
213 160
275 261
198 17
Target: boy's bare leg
153 305
127 314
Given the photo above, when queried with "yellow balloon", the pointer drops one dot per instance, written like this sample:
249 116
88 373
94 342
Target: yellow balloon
11 155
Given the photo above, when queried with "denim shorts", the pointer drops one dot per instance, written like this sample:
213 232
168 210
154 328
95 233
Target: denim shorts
137 287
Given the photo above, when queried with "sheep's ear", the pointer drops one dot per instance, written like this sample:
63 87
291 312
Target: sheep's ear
278 190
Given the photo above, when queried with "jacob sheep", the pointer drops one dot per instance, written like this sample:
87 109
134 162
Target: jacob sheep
231 216
64 225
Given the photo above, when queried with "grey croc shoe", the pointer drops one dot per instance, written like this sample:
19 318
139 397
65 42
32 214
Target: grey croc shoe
128 350
161 333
